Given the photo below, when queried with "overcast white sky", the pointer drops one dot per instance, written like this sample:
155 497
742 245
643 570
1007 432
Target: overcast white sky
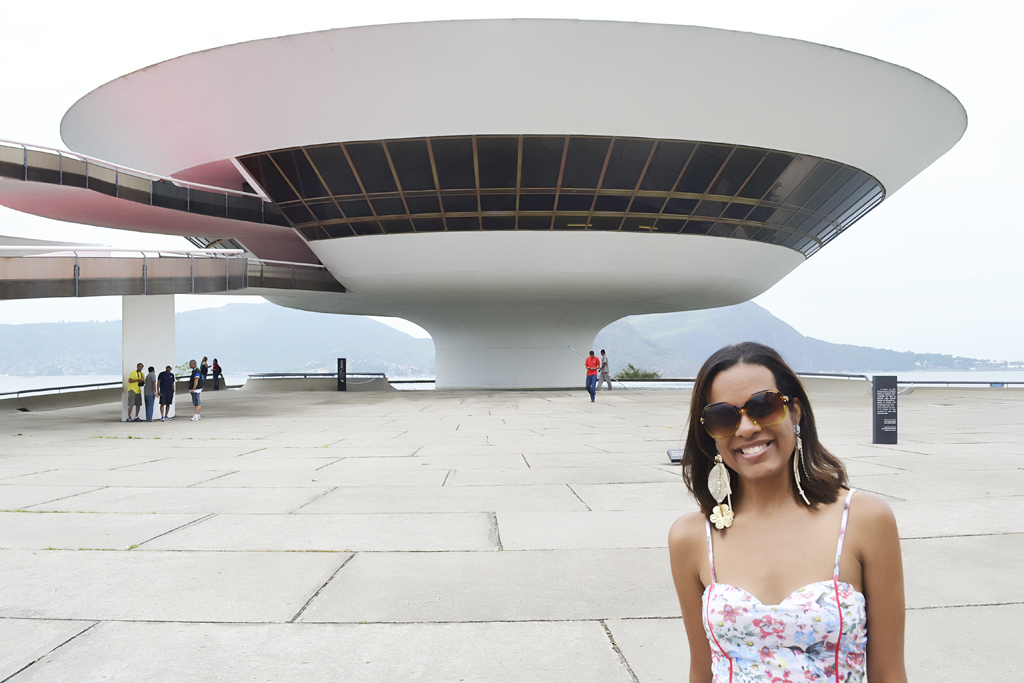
936 268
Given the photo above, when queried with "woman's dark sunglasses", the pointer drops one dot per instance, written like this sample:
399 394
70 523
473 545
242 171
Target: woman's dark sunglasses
764 409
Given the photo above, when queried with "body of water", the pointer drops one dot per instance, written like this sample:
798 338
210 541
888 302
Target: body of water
979 376
10 383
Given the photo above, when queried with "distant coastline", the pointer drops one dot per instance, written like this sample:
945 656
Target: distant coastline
9 383
12 383
274 339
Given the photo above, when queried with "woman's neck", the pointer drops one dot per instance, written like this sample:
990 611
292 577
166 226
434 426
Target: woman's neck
764 496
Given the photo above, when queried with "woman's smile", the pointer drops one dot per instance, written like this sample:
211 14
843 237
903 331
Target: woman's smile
753 451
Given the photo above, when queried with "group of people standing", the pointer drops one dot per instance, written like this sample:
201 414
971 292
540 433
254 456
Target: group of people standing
150 388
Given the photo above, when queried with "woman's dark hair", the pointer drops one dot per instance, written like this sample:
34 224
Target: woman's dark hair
822 475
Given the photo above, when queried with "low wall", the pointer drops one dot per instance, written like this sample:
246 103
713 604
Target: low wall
86 397
1015 391
69 399
820 386
267 385
836 386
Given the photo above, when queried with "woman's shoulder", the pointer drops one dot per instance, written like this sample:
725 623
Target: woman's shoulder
872 523
870 509
688 532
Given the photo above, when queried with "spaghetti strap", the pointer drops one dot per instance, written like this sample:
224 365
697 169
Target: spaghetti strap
711 553
842 534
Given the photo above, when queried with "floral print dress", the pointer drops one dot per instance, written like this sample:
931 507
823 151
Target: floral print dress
818 633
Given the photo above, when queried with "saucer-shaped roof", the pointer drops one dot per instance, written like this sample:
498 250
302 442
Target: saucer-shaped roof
527 77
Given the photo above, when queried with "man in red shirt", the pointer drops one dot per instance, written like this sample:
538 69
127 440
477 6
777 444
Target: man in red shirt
592 363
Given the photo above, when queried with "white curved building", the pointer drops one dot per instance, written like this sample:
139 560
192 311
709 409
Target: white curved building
513 186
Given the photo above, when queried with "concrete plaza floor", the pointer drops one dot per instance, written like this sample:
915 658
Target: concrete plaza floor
449 536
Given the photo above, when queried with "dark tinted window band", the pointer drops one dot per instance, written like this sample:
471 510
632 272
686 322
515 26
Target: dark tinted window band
555 182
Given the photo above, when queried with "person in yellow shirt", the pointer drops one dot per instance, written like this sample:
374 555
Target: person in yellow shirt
135 381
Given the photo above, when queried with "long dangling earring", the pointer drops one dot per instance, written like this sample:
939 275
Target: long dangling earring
720 488
798 460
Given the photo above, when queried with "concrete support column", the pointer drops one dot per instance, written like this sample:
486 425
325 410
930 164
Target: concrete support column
147 337
511 346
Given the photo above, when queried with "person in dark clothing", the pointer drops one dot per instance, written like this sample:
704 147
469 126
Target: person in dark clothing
165 392
217 372
195 387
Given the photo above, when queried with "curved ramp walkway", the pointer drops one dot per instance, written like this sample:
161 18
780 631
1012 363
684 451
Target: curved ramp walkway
65 272
71 187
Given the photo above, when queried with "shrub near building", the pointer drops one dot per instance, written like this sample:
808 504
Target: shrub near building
631 372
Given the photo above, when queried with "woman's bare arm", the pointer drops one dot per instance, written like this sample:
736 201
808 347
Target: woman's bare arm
687 546
882 567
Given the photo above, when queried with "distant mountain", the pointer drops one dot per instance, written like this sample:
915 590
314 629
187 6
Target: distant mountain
676 344
268 338
243 337
92 348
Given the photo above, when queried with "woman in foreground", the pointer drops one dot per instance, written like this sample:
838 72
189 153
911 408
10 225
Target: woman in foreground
783 569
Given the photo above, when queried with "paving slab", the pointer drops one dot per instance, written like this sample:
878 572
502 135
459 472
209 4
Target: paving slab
379 442
951 463
959 644
153 449
86 461
560 475
580 530
529 448
14 497
313 653
241 463
551 498
161 586
13 448
672 468
980 448
498 586
71 531
337 532
860 447
68 477
185 500
942 518
965 484
652 455
482 460
273 479
865 466
612 441
23 641
342 448
8 476
656 650
963 570
967 438
650 496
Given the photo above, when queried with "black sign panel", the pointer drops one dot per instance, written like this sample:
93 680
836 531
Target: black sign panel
343 379
884 394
